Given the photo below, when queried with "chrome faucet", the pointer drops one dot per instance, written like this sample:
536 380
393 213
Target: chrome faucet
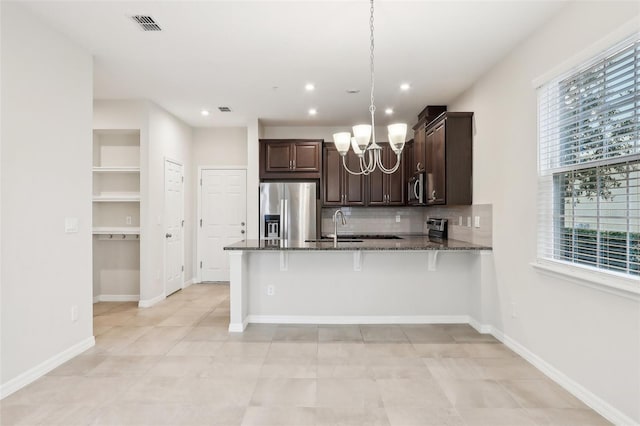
335 225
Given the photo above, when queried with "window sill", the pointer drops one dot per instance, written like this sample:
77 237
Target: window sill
609 283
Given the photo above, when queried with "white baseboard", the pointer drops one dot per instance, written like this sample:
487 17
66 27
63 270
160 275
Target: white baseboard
188 283
43 368
116 298
594 402
376 319
147 303
482 328
238 327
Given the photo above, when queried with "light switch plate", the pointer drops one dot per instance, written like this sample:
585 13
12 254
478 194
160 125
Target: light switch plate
397 218
476 221
469 221
70 225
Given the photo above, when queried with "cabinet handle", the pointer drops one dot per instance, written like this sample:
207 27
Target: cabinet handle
241 223
294 164
167 235
242 231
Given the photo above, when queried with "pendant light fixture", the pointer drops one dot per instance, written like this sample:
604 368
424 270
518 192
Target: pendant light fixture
363 141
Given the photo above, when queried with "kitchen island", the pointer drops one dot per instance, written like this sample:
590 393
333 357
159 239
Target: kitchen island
413 279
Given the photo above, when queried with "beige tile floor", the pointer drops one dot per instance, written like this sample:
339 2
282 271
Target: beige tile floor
176 364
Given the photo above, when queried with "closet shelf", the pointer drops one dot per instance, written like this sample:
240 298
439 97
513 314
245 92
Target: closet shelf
108 230
127 197
116 169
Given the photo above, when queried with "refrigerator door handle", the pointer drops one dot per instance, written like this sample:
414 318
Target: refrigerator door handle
285 213
281 225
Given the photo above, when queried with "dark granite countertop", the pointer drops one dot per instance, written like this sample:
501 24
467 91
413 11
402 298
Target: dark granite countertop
406 242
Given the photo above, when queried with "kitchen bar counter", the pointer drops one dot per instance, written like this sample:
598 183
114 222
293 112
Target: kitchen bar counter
372 281
407 242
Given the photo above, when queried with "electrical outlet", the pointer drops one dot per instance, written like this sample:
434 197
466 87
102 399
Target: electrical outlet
397 218
74 313
271 290
128 220
476 221
469 221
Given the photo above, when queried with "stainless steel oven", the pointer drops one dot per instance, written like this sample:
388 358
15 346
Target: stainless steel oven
416 189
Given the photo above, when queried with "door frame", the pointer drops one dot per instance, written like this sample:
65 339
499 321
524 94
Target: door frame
164 223
199 248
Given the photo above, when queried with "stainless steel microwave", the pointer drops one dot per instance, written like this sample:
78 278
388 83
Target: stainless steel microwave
416 189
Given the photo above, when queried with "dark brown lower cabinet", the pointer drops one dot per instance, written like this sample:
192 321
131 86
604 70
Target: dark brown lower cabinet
340 188
449 149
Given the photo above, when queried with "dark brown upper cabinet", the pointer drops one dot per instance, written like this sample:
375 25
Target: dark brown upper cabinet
449 165
290 158
418 160
384 189
339 187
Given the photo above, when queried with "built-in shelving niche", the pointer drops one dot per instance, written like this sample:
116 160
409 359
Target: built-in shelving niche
116 215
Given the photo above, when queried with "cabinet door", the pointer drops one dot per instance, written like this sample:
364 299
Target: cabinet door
377 185
354 188
396 181
419 150
306 156
436 179
278 157
332 178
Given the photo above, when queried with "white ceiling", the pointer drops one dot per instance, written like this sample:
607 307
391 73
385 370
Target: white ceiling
235 53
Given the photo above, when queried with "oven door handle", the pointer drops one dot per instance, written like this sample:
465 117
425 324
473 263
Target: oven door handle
415 190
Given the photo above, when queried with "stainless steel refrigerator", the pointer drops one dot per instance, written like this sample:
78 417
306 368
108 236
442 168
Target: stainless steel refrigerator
288 211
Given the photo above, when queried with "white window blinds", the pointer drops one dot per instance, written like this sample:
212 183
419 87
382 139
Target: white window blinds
589 163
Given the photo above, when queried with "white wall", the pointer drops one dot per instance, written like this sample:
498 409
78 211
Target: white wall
46 176
255 132
591 336
169 138
219 146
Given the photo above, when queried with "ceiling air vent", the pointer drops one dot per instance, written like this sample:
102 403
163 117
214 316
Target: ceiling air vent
146 23
224 109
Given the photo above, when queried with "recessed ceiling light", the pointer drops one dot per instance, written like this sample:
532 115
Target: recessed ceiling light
388 111
205 112
313 111
309 87
405 86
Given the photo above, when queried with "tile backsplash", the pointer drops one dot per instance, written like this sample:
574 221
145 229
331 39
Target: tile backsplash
375 220
411 220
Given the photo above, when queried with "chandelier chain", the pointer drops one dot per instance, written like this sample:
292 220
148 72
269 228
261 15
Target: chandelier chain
372 107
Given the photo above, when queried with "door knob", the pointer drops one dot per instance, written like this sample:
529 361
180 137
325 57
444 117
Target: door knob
168 235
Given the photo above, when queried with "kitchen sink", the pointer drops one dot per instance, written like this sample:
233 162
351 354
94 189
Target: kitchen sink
356 238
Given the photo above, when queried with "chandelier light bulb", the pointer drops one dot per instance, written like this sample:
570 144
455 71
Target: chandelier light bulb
342 141
362 134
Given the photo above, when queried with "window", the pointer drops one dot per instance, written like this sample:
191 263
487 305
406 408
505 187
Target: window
589 164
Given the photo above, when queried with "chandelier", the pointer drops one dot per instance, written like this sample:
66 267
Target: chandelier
363 141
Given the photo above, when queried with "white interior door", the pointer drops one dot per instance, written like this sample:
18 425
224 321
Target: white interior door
173 219
223 213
